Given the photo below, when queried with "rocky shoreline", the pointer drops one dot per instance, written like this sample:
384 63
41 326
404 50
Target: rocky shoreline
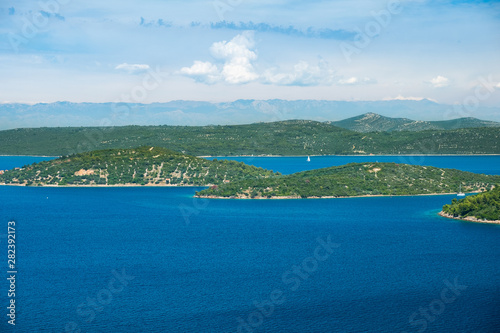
104 186
315 197
468 218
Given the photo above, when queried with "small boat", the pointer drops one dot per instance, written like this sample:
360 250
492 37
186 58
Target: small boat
460 193
308 159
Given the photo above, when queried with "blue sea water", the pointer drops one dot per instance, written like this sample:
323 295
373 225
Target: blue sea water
11 162
487 164
158 260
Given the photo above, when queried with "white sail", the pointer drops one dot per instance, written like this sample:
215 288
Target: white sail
460 193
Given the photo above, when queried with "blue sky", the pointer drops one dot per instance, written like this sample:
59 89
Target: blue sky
158 51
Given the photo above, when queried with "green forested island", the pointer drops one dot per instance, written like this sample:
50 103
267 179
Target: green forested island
285 138
140 166
153 166
481 207
356 179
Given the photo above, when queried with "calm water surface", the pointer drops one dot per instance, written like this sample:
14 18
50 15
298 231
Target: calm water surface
286 165
218 265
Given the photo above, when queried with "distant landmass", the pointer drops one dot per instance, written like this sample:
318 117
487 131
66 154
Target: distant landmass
356 179
293 137
140 166
372 122
483 207
199 113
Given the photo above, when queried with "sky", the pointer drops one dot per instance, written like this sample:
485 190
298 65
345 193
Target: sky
224 50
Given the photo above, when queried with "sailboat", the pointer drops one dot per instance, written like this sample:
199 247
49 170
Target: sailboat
308 159
460 193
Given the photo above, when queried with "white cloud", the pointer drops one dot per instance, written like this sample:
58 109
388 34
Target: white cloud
356 81
409 98
350 81
239 70
302 74
132 68
440 82
236 57
498 85
239 47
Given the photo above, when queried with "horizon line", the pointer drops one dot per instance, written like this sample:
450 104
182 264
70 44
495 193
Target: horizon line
402 99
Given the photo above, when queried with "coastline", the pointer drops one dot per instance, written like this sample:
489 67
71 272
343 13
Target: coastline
270 155
106 186
236 198
326 197
357 155
467 219
29 156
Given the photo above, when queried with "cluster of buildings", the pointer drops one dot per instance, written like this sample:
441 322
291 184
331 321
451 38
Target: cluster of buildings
3 171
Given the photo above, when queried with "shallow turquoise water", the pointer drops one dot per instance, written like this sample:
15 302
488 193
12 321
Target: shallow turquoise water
216 265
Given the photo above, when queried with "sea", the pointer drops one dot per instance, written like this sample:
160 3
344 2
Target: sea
153 259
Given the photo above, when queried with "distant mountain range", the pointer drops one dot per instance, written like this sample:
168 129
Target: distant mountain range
196 113
372 122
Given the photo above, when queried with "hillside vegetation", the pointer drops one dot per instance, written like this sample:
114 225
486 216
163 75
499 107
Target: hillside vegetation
356 179
141 166
372 122
297 137
483 206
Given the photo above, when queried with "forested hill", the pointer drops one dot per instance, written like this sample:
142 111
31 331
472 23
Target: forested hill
372 122
356 179
295 137
141 166
483 206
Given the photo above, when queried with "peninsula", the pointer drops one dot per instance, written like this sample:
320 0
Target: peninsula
355 179
483 207
132 167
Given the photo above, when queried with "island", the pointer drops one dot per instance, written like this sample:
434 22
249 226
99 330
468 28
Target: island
144 166
355 179
156 166
483 207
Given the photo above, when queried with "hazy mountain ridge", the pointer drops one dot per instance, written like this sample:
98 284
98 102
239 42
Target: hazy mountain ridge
199 113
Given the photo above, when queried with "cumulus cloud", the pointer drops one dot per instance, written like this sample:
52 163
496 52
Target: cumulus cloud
302 74
408 98
202 71
350 81
234 63
132 68
235 58
440 82
356 81
237 55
